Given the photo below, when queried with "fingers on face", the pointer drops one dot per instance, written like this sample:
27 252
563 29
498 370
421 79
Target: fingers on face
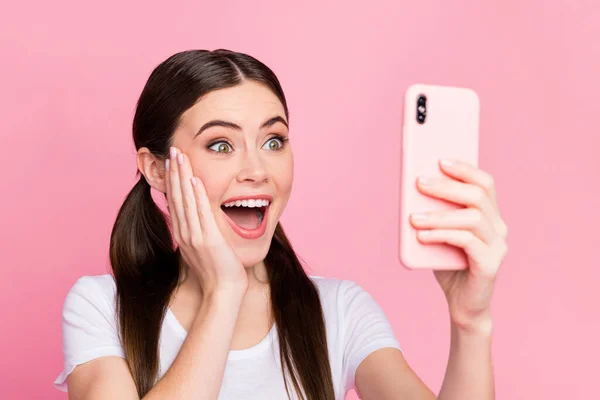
181 204
188 201
173 196
205 213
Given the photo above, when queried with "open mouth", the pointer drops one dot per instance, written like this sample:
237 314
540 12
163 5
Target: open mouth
247 216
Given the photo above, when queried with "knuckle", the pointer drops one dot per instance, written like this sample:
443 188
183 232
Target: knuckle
467 239
502 248
177 237
479 196
488 182
196 242
503 229
185 238
476 215
205 213
481 221
470 237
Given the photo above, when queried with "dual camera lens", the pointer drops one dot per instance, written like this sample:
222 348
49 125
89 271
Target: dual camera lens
421 108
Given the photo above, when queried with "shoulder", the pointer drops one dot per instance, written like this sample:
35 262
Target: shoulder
91 295
94 285
334 288
330 289
104 283
348 304
340 296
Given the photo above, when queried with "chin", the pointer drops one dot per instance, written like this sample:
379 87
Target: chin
250 257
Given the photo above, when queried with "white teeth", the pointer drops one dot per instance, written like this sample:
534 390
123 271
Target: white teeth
248 203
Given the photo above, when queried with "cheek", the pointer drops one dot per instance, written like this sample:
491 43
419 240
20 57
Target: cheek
215 189
287 175
215 178
283 177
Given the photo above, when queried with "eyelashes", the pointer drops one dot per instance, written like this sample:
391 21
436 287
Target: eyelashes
223 146
220 147
282 140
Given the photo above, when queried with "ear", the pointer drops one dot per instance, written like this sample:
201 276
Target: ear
153 169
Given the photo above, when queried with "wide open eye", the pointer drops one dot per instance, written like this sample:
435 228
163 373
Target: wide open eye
221 147
275 143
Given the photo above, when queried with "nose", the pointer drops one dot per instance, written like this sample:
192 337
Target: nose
252 169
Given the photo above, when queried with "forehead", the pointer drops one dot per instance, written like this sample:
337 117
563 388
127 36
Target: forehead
247 105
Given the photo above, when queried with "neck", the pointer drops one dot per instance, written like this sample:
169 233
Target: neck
256 303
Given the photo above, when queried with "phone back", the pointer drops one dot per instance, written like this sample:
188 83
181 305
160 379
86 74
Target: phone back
450 129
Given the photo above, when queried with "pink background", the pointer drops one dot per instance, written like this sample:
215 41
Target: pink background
71 73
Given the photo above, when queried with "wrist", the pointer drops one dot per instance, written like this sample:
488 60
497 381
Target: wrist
219 290
471 341
226 294
222 298
480 326
221 304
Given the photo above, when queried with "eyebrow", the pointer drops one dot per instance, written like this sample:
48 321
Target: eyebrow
231 125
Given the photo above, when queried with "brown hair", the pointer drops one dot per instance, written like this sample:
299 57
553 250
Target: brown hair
146 262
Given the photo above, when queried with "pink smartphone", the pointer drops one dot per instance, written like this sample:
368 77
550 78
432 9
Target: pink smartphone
439 122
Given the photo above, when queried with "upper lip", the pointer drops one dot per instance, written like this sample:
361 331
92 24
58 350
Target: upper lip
250 197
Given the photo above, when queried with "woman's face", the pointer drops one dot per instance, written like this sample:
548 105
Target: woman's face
236 139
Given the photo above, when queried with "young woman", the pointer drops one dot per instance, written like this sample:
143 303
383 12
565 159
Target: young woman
225 310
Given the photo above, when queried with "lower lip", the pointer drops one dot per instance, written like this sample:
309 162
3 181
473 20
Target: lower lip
250 233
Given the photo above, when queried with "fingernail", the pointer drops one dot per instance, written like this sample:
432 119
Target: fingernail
425 181
424 234
193 179
447 163
167 164
419 217
180 159
173 152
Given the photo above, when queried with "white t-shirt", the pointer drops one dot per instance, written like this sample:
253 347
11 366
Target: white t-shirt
355 326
